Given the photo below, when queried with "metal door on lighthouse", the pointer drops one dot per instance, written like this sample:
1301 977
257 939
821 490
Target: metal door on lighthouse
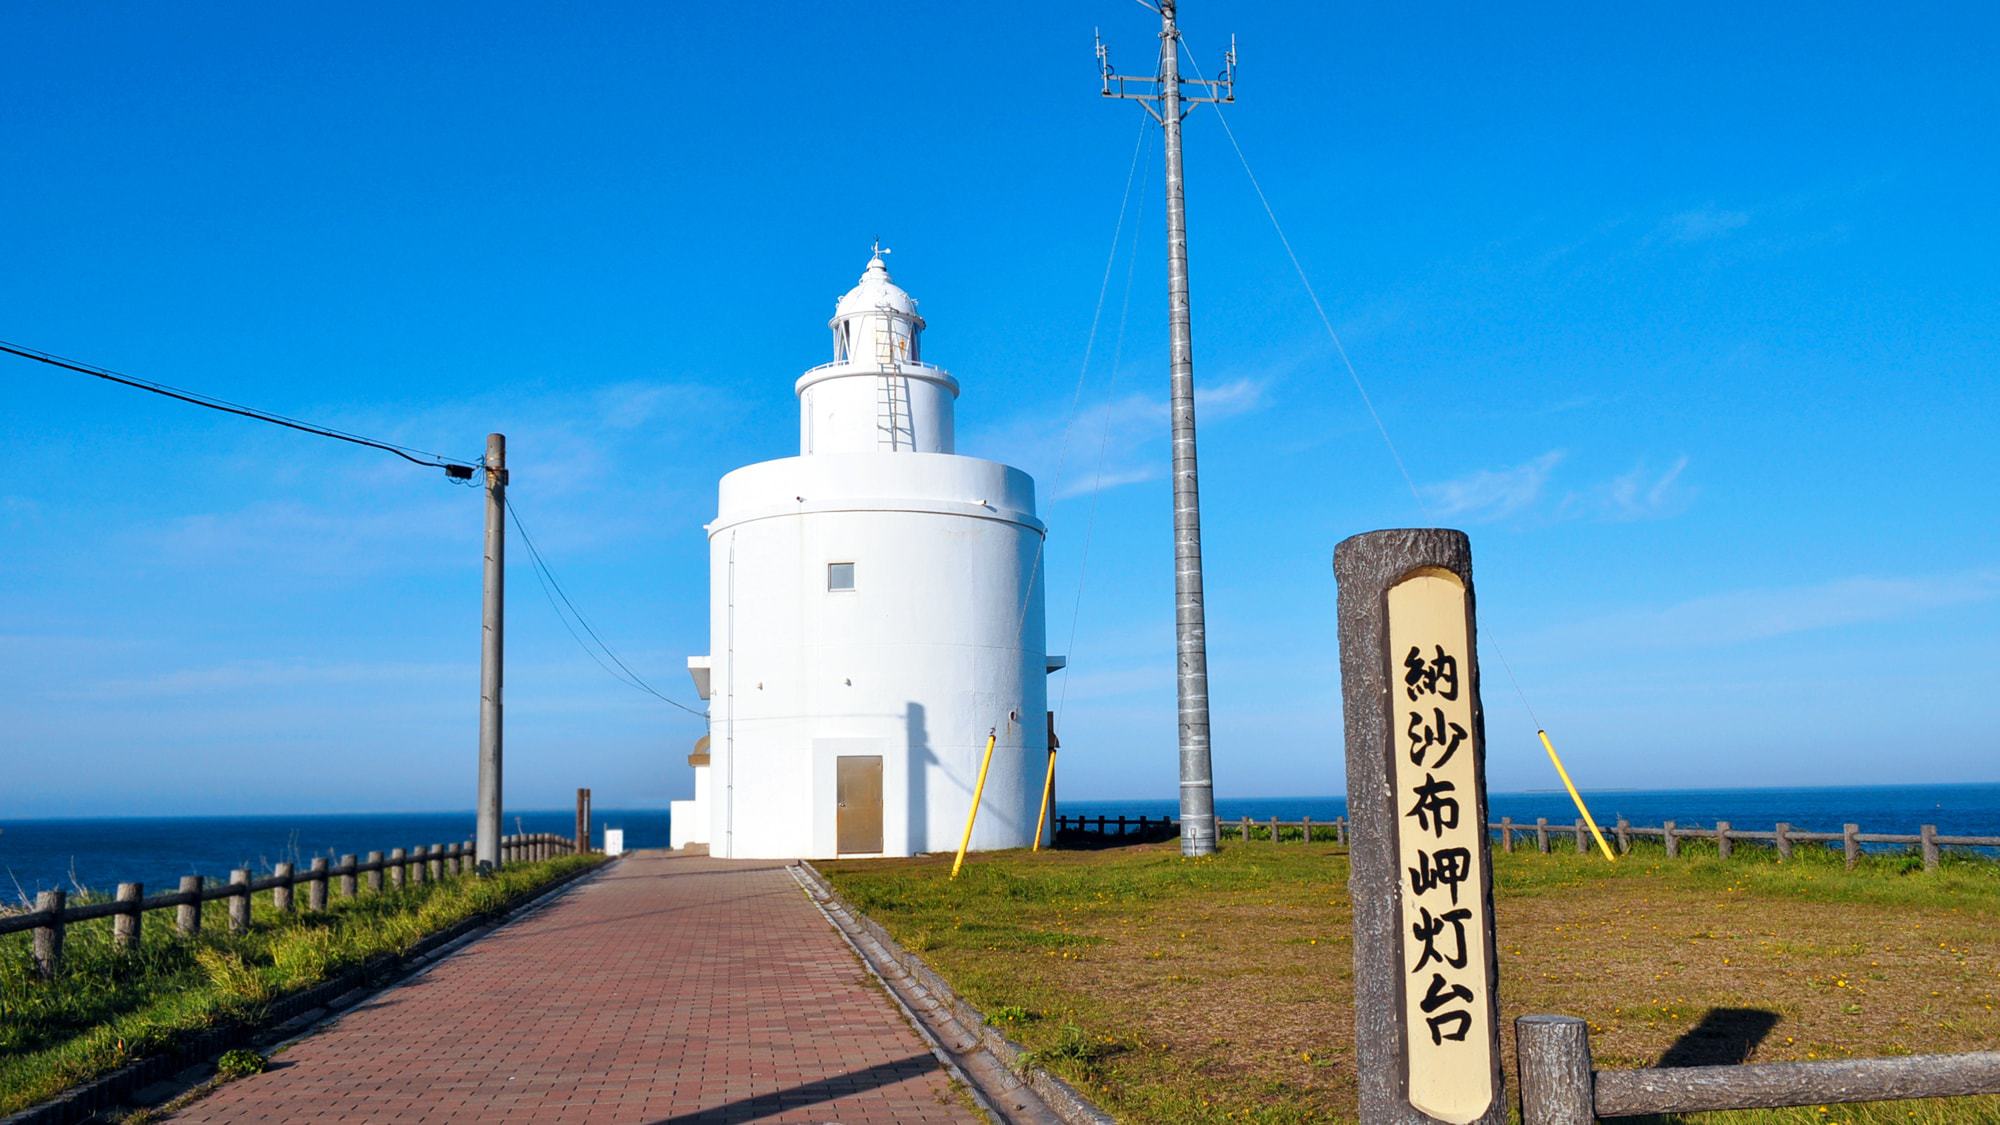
858 823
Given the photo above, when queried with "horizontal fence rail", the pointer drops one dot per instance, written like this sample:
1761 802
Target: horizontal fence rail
402 867
1304 829
1544 834
1782 837
1559 1084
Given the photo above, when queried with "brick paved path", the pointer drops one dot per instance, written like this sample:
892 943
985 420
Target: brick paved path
669 988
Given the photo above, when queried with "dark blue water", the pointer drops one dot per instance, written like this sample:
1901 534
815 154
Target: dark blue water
1957 810
101 852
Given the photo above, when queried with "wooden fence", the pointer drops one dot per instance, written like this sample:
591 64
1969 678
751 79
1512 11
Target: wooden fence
1783 836
1559 1086
402 867
1305 829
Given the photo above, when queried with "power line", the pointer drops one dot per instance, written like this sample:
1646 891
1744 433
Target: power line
1083 371
1325 321
457 470
1103 443
548 579
1353 375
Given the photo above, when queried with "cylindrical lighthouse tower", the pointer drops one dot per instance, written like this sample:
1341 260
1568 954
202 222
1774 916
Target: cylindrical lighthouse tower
875 610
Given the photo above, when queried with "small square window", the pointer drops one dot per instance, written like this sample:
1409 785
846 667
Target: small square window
840 576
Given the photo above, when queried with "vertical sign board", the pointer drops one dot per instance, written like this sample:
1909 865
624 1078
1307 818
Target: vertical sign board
1426 978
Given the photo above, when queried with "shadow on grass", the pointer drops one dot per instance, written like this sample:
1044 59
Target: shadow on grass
1724 1037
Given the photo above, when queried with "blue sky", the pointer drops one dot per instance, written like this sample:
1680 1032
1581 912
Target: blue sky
1685 313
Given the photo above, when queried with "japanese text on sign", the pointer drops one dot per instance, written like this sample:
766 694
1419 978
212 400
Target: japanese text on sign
1436 789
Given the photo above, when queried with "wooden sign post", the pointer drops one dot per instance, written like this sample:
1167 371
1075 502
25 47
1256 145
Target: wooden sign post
1426 979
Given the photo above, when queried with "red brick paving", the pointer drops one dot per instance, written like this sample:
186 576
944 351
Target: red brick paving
668 988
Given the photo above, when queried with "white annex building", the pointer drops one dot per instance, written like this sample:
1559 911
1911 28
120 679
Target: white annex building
875 609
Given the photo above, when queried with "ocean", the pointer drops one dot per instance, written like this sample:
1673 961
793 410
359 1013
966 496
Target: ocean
1957 810
100 852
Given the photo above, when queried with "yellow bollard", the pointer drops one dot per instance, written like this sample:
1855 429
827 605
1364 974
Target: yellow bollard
972 814
1048 787
1575 796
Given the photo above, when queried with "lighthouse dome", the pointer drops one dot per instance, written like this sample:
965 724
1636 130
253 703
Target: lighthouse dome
874 292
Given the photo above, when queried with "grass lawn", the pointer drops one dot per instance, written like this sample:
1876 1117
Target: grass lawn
1220 989
107 1009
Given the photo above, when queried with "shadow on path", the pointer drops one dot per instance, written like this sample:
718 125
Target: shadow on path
812 1093
1724 1037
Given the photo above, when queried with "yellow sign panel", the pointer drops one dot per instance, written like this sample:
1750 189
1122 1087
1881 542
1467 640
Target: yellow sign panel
1447 1016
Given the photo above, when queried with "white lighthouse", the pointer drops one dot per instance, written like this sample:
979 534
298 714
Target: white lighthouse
875 610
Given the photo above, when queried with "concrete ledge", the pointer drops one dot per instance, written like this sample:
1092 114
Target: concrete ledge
1012 1067
284 1019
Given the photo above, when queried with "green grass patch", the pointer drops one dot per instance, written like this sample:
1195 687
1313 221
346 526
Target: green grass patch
108 1008
1220 989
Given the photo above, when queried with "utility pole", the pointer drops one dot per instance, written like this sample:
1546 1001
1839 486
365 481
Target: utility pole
486 847
1162 96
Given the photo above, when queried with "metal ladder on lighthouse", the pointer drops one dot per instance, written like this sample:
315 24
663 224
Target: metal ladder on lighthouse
895 428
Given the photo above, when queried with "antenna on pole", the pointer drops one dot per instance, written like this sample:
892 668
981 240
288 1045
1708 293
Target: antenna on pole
1167 97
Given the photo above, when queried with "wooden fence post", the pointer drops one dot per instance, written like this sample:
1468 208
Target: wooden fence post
1582 845
1121 826
347 879
1340 830
49 935
1552 1054
1542 834
1624 836
1100 826
187 916
1673 842
1306 829
470 856
437 862
281 895
1274 829
419 865
399 867
1928 835
1782 836
239 900
316 887
1426 979
375 872
1246 829
1507 834
125 928
1722 839
1849 838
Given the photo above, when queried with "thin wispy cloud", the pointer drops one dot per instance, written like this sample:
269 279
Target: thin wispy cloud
1750 615
1525 492
1491 494
312 539
1640 494
240 676
1702 224
1121 435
